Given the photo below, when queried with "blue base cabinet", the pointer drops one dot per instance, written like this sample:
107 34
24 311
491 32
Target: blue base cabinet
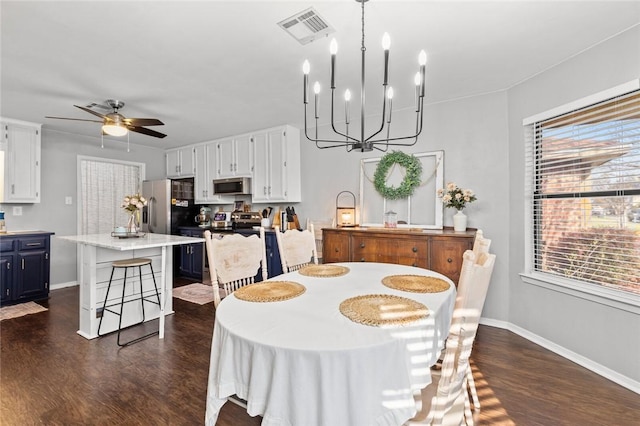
191 256
24 266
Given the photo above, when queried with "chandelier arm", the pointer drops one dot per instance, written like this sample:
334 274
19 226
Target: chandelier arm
333 126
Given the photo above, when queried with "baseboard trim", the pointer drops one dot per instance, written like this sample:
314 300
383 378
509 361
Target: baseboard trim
587 363
63 285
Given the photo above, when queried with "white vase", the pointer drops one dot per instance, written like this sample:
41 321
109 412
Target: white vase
460 221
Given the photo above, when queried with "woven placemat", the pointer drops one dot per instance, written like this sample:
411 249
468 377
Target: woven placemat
383 309
271 291
323 270
416 283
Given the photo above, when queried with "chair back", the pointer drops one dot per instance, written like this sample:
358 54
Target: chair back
297 248
234 261
316 227
473 286
480 244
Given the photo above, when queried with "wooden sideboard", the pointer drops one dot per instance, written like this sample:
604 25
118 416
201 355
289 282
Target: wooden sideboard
437 250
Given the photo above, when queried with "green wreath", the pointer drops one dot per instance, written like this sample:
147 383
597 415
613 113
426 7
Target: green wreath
411 179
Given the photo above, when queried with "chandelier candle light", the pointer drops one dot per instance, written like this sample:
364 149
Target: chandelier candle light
372 141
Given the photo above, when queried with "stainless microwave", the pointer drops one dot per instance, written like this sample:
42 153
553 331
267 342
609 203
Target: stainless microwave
232 186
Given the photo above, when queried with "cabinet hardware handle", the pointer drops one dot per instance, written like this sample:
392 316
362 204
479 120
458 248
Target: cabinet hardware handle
362 244
22 263
13 188
230 167
8 265
337 250
449 260
414 264
33 244
362 260
7 292
46 256
415 249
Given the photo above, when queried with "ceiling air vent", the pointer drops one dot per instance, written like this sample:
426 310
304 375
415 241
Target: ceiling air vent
306 26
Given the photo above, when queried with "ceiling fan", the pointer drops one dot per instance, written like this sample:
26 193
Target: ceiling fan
116 124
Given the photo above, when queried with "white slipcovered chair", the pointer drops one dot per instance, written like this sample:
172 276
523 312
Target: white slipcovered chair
234 261
297 248
480 245
316 227
447 395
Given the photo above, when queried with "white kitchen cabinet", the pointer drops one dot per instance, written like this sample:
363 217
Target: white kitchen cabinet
276 173
21 145
205 171
180 162
235 157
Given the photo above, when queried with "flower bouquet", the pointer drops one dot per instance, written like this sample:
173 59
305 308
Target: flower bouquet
456 197
132 204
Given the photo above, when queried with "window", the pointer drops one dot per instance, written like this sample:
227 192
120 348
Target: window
584 193
102 184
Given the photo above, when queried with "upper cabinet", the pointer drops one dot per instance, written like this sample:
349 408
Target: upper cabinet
235 157
21 150
180 162
276 173
270 157
205 156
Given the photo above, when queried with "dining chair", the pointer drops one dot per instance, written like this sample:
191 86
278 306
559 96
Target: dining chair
480 245
235 261
448 390
297 248
317 226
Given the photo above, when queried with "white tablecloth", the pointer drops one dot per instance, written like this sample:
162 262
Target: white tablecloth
300 362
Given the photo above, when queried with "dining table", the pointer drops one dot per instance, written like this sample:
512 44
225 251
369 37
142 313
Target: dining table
317 358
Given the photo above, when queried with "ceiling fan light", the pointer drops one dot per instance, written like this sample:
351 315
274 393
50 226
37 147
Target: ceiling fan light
114 129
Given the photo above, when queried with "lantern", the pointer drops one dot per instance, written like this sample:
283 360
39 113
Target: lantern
346 214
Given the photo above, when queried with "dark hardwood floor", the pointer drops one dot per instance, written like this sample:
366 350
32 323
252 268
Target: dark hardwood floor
50 375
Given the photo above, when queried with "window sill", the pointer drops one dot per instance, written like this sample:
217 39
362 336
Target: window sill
616 299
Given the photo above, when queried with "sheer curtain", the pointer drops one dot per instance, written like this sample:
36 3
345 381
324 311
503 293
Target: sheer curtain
102 184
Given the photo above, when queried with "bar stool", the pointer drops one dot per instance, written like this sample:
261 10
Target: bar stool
126 264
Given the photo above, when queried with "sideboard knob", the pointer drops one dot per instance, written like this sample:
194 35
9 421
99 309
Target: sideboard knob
415 249
362 245
449 260
362 260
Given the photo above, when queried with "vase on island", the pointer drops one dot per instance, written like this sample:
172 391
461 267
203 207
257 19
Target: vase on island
134 223
460 221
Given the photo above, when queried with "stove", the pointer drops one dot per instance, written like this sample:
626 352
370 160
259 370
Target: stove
245 220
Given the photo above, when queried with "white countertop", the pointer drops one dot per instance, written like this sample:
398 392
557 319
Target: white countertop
147 241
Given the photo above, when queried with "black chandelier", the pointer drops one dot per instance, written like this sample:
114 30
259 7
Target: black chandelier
373 141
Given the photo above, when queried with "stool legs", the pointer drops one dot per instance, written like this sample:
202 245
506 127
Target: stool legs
142 299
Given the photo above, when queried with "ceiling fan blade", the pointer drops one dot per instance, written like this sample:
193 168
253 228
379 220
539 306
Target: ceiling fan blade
104 117
146 131
143 122
74 119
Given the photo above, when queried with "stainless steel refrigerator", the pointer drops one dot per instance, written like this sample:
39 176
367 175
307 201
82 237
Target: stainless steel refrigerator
169 205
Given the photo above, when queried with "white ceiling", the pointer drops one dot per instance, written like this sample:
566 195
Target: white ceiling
209 69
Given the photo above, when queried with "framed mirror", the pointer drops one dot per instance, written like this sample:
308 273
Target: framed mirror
420 210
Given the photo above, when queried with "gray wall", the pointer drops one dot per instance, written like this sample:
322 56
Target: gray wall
606 335
472 132
60 153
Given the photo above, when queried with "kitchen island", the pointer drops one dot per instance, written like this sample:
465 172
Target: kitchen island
97 252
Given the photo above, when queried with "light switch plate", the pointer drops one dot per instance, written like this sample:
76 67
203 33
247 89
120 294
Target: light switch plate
17 211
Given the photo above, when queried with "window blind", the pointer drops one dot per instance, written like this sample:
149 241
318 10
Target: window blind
583 175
